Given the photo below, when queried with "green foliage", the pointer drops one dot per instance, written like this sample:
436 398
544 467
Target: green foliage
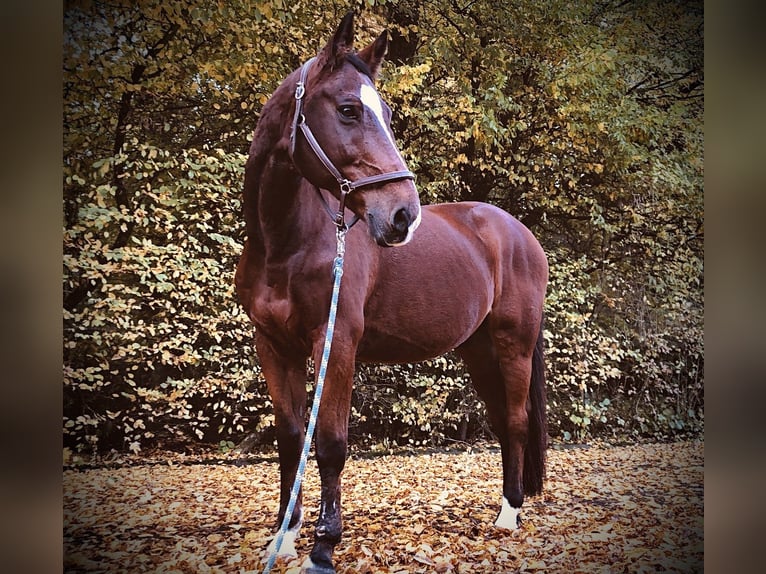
583 119
416 404
156 337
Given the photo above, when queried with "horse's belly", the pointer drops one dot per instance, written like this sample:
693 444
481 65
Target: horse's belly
377 347
430 295
417 328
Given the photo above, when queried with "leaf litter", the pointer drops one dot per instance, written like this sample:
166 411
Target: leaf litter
603 510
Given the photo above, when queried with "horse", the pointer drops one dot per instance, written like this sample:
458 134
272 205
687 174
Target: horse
419 281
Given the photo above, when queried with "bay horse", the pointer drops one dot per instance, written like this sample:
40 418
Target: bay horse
418 281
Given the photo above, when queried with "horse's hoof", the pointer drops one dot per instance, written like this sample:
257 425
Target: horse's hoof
287 550
509 518
310 568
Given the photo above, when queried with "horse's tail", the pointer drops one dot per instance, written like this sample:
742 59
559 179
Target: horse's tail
537 435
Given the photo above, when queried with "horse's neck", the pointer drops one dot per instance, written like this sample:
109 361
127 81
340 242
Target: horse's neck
289 216
271 181
282 213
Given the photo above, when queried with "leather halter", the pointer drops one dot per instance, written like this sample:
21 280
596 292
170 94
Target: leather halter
345 185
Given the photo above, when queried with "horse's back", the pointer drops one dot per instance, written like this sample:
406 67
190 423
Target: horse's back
490 223
506 245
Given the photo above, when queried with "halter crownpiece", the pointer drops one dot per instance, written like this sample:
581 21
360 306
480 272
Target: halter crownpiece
345 185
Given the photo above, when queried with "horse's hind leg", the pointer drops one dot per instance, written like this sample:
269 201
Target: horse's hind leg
285 375
519 348
516 369
501 376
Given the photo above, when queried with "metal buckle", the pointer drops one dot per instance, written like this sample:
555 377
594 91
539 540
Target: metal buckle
346 187
340 222
300 91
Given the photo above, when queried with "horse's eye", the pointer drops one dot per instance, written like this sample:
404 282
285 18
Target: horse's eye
348 112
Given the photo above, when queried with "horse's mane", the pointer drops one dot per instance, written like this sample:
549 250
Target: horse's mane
266 137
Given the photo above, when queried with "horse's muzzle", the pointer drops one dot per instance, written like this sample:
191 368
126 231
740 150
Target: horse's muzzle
398 230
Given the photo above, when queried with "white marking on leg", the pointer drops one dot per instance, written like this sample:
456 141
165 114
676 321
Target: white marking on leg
508 517
287 548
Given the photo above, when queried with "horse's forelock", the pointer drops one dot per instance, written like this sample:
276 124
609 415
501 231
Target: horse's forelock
354 59
346 55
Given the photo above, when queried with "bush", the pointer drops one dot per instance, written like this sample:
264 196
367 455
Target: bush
154 336
585 121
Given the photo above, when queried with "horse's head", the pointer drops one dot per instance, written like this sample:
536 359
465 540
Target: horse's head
341 110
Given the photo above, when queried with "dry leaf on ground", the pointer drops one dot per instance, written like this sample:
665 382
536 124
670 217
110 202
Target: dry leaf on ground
619 509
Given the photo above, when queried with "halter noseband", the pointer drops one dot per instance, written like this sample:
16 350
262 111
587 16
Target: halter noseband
345 185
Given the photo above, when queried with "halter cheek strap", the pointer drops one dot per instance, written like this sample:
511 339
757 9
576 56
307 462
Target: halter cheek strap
345 185
300 91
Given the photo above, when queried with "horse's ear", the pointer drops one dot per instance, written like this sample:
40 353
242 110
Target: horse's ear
342 42
344 35
373 54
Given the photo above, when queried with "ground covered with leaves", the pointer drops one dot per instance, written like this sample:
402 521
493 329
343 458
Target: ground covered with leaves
604 509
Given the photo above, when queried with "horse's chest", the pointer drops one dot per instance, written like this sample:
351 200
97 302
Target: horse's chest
271 312
279 312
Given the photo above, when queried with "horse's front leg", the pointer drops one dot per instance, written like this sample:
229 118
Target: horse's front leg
331 447
285 374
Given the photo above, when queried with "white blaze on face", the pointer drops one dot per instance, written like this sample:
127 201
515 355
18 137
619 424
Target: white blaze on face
371 100
509 517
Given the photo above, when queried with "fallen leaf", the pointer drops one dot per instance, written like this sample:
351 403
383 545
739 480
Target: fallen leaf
627 509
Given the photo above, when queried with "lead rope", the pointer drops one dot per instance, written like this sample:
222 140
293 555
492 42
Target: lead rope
338 273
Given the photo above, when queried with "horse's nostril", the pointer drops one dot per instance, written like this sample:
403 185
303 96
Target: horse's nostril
402 220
